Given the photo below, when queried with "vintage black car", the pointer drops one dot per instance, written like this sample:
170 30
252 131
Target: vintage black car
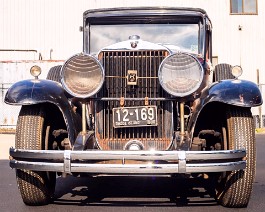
141 98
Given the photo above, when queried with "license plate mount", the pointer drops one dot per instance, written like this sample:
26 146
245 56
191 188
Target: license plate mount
139 116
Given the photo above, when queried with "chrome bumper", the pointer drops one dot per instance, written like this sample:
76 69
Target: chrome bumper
157 162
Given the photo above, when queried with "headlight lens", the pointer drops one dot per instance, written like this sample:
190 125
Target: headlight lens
180 74
82 75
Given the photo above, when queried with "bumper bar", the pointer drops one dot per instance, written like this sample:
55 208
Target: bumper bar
156 162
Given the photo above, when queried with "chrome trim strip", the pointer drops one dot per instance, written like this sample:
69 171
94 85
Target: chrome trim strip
133 99
142 45
128 155
85 161
129 168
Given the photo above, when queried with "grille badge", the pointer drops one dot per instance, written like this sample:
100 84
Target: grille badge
132 77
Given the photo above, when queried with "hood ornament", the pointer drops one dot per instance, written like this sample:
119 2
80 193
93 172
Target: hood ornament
134 40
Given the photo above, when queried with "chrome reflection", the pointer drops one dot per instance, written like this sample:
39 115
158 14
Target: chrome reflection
82 75
180 74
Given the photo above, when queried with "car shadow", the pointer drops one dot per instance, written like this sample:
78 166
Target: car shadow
133 191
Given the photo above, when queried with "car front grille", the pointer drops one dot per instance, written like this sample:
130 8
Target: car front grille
147 89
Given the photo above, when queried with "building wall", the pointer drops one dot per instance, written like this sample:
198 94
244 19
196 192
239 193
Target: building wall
51 27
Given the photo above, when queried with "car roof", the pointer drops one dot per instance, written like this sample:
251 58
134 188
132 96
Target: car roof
139 14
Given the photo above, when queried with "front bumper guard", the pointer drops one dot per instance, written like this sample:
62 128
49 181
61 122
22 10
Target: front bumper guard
156 162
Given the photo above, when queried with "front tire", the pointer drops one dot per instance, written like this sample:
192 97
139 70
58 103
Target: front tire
33 131
235 188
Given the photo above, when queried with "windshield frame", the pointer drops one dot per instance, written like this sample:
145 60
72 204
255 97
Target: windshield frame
145 16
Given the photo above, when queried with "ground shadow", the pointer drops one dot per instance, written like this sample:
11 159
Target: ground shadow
133 191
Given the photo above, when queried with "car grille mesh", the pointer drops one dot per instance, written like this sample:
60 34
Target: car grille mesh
116 65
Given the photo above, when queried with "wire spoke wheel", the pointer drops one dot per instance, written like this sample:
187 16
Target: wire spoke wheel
33 131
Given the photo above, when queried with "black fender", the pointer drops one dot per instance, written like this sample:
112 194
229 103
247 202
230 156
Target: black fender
242 93
36 91
234 92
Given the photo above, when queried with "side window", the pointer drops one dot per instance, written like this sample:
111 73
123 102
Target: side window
244 7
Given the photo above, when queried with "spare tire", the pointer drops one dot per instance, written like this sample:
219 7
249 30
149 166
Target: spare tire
54 74
222 72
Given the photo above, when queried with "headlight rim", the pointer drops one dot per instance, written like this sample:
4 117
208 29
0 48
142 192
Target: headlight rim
65 86
35 71
183 95
236 74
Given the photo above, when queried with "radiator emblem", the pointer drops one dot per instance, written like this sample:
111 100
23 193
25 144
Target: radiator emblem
132 77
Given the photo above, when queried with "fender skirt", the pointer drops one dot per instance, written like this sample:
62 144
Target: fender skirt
35 91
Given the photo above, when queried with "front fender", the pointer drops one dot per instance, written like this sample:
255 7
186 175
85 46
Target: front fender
240 93
234 92
36 91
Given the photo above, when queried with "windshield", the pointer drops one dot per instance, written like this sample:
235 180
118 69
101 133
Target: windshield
183 37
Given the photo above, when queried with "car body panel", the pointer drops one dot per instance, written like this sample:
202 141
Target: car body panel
37 91
235 92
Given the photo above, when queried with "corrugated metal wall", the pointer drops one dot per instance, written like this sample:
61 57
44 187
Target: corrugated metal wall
12 71
51 27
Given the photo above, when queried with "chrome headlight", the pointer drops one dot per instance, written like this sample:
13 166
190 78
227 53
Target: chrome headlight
82 75
180 74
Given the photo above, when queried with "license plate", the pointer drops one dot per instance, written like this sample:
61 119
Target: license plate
135 116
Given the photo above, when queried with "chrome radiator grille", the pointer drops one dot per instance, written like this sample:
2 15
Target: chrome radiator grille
146 64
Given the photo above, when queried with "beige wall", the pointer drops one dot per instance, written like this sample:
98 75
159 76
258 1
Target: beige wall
53 24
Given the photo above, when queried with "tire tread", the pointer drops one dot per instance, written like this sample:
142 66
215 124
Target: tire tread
34 186
222 71
239 184
54 74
